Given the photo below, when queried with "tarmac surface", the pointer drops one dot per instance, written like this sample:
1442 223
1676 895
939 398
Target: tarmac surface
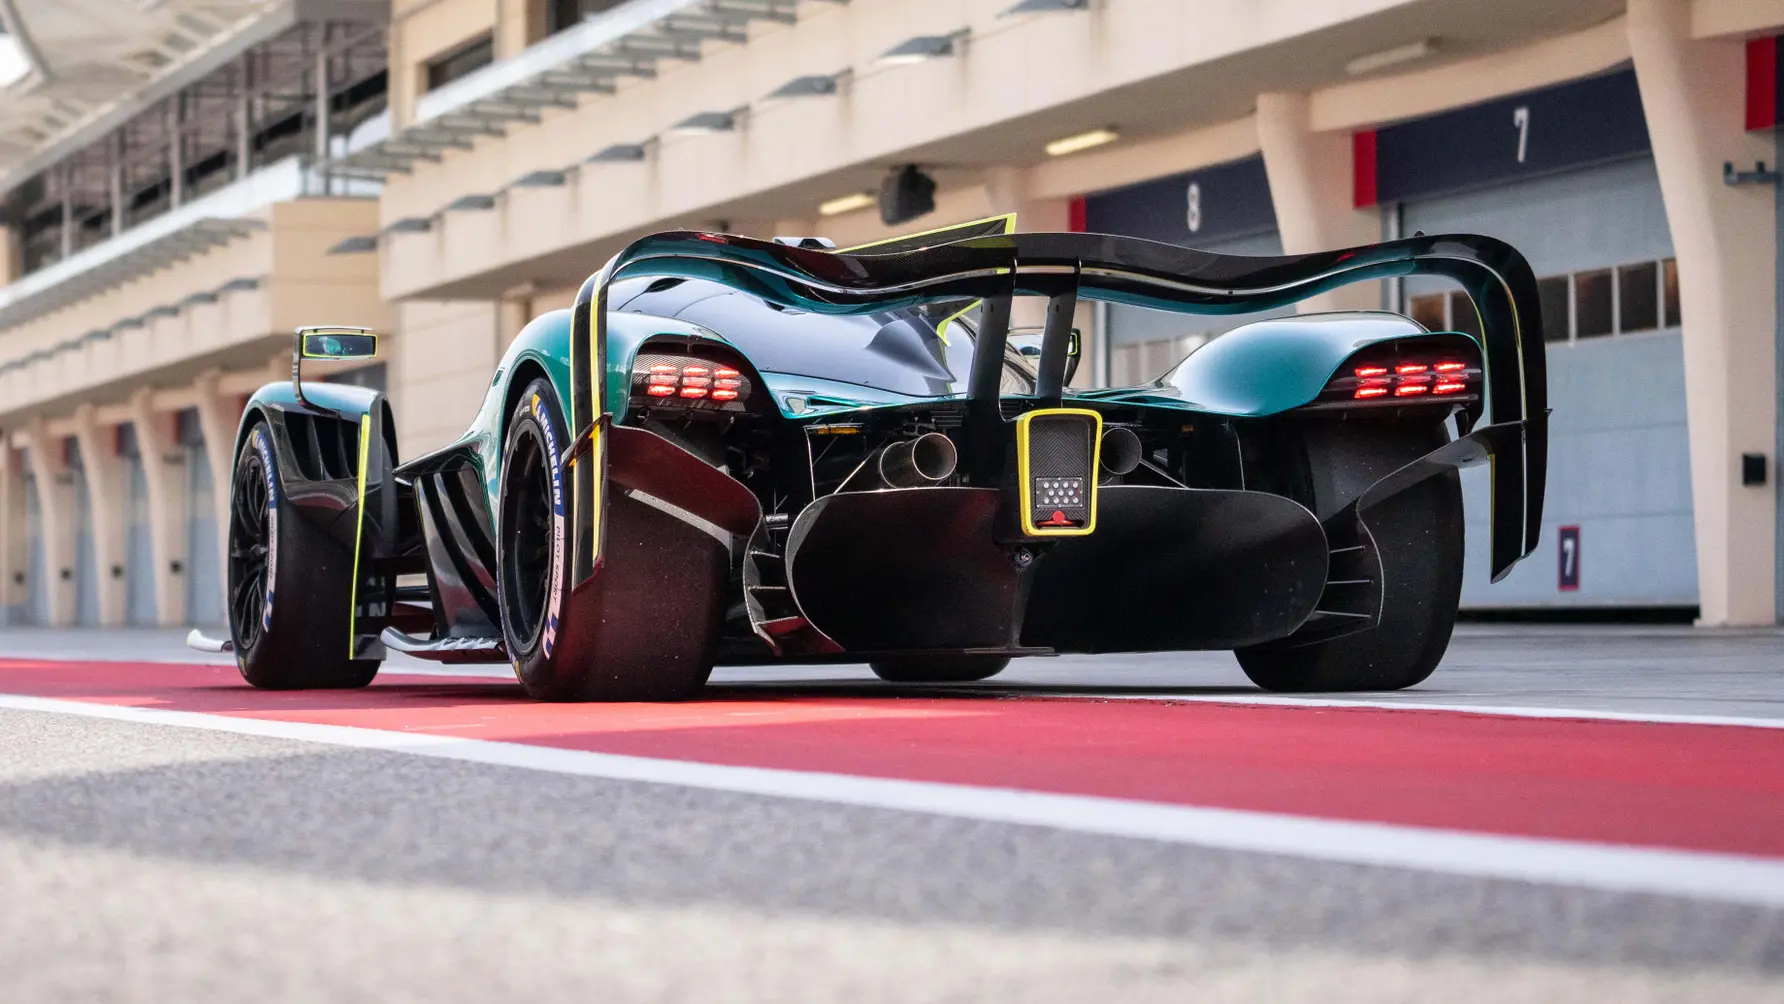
1561 813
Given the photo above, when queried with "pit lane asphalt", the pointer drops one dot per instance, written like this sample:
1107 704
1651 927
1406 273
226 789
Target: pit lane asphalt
146 863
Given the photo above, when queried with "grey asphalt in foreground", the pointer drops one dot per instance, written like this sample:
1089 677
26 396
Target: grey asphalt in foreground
151 863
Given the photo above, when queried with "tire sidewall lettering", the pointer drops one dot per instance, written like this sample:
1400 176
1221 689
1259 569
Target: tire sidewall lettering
263 447
548 637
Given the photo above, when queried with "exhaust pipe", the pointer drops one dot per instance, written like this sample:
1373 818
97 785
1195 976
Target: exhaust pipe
914 463
1120 451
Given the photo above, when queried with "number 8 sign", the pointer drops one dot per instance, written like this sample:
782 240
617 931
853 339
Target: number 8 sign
1567 538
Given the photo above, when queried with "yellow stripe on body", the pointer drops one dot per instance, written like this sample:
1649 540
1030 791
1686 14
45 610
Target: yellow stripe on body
365 447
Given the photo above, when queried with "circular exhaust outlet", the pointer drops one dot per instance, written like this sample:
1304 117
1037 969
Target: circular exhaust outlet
915 462
1120 451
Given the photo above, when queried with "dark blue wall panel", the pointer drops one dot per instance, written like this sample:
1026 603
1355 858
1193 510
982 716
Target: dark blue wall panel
1191 209
1576 124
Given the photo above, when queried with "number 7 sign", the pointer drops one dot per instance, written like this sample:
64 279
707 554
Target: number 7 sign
1568 571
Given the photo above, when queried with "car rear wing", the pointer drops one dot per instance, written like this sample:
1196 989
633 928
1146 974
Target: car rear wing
968 262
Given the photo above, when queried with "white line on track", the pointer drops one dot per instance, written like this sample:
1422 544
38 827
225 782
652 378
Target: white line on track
1509 711
1727 877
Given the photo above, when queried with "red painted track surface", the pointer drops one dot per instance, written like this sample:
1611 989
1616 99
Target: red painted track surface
1695 787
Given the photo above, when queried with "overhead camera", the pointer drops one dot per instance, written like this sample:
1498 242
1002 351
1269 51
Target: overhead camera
906 194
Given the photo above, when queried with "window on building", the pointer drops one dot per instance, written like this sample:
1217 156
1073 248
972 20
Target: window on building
1428 311
1638 297
1462 315
1553 294
561 14
1626 300
467 58
1592 300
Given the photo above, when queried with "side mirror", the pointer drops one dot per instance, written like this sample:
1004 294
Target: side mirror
338 343
334 342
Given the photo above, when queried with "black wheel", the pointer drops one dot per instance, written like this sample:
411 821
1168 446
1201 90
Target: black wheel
1419 535
289 585
533 584
646 627
940 668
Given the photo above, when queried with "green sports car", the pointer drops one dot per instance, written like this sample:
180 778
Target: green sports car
734 450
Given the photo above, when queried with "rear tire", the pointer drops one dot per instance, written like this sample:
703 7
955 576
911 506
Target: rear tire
290 584
940 669
1419 535
609 649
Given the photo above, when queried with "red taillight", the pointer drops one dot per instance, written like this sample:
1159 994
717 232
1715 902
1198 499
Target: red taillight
1365 372
1410 369
689 380
1411 389
1364 393
1449 387
1450 366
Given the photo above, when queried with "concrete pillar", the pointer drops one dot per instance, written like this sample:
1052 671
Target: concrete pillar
15 555
163 469
105 492
55 487
513 311
12 262
1725 240
1310 183
217 418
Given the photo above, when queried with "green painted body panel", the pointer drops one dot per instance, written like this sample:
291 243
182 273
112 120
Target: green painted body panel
1258 369
1267 367
345 399
544 346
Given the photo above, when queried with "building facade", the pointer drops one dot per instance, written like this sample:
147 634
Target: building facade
493 153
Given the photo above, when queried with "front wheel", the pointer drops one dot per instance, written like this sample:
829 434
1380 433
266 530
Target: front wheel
940 669
290 584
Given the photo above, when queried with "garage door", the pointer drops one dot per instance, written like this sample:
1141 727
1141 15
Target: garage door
139 556
204 567
1575 190
37 592
86 561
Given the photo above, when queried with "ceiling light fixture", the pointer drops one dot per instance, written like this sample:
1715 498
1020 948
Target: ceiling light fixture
1082 141
847 204
1045 7
359 244
701 123
922 48
539 179
820 85
618 153
475 202
410 225
1391 57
